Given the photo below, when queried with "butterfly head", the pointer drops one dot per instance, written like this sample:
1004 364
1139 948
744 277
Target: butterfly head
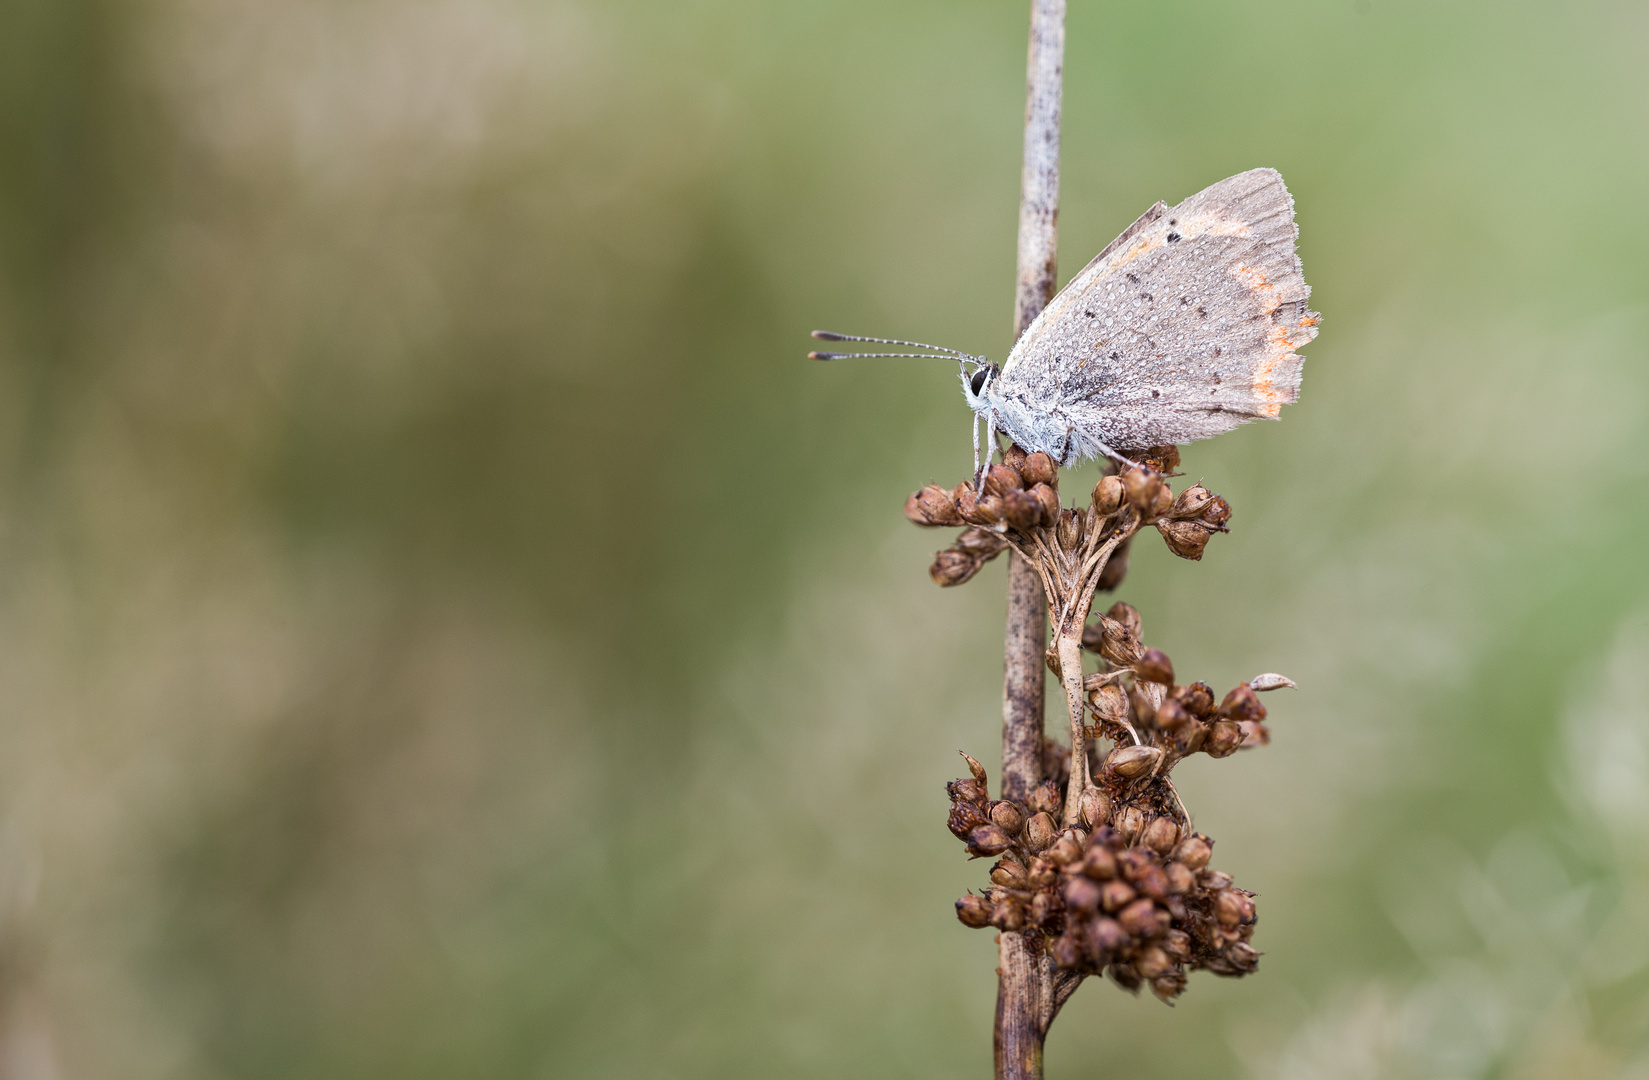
976 384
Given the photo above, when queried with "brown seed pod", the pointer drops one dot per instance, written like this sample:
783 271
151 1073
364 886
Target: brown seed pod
1180 878
1108 495
1242 704
1081 895
1038 468
1109 702
1194 851
1152 962
1128 616
988 840
1191 501
1069 529
1224 736
1102 938
1009 875
1216 513
1094 808
1045 798
973 912
1115 895
1047 499
1154 666
1064 851
938 505
1008 915
1184 538
1021 510
1128 822
1140 919
953 568
1153 882
1040 831
1168 987
1197 698
1099 864
1171 716
1002 479
1116 567
1043 906
1041 872
1141 486
1160 505
1232 907
1160 835
1066 951
1254 734
1132 762
964 818
1008 817
980 542
1125 976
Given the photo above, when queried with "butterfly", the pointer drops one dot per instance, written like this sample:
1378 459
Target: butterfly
1183 328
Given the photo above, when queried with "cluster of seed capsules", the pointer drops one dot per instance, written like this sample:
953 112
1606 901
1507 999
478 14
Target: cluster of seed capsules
1021 496
1123 892
1121 888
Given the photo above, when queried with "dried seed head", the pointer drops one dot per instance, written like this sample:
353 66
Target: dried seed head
1008 915
1132 762
964 818
914 512
1115 895
1271 681
1103 938
988 840
1140 705
953 567
1160 835
1109 702
1134 861
1191 501
1099 863
1224 736
1194 851
1041 872
980 542
1154 666
1047 499
1163 503
1242 704
1243 957
1069 529
1232 907
1002 479
1108 495
1081 895
1009 875
1039 469
1066 951
1184 538
1116 644
1216 513
975 769
1171 716
1051 658
1197 698
1152 962
1043 905
938 505
1141 486
1064 851
1153 882
968 789
1021 510
1189 739
1254 734
988 511
973 911
1180 878
1014 456
1168 987
1040 831
1045 799
1008 817
1139 918
1128 822
1128 616
1094 808
1214 880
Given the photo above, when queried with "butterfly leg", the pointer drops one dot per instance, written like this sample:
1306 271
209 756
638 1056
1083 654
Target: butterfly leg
978 475
1118 458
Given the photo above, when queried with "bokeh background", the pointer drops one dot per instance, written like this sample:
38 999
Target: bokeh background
447 630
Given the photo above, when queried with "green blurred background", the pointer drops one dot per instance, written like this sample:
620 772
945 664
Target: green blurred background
446 629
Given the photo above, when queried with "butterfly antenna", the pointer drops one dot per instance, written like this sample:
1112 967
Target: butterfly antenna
942 351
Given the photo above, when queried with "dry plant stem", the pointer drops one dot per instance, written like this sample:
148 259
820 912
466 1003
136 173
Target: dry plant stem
1029 992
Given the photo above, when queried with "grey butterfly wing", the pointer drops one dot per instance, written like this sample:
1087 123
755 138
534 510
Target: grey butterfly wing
1184 327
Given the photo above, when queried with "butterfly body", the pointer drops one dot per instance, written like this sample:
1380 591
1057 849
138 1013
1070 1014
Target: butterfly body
1183 328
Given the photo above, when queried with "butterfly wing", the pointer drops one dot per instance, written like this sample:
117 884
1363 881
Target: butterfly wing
1184 327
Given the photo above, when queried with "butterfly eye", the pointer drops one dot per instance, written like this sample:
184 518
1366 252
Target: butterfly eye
979 380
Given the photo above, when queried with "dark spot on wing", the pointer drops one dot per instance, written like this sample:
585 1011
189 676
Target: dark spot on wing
1089 314
1156 393
1132 278
1217 350
1203 312
1172 237
1173 221
1185 299
1114 356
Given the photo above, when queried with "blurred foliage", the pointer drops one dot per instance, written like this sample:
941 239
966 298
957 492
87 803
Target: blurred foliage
446 630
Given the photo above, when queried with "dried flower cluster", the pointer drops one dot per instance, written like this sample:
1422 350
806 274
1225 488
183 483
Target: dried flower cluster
1107 876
